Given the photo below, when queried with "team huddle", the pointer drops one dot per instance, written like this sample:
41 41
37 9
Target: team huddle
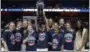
50 36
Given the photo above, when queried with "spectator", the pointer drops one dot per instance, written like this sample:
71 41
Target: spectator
81 37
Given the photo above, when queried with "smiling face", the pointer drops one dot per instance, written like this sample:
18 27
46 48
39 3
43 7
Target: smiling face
78 24
68 25
56 27
25 23
11 26
30 29
42 28
61 21
19 24
50 21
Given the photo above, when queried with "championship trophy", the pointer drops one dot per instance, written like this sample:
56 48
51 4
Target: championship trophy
40 12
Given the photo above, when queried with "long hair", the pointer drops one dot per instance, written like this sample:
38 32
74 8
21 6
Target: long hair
56 28
76 29
69 22
50 24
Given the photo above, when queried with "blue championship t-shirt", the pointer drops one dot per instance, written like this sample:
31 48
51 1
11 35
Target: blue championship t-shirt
18 40
69 38
50 33
42 41
9 37
57 41
31 44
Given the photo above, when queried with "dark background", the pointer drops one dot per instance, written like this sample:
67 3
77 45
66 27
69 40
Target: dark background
73 16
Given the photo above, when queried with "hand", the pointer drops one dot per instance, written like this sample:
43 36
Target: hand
61 49
49 43
44 14
6 49
79 49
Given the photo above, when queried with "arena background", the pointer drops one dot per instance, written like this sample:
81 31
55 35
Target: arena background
9 15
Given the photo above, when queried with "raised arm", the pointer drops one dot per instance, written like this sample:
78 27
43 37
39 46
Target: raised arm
46 20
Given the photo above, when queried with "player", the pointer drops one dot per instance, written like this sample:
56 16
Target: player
42 42
50 23
50 32
9 37
25 24
20 27
61 24
18 36
29 44
69 37
57 38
